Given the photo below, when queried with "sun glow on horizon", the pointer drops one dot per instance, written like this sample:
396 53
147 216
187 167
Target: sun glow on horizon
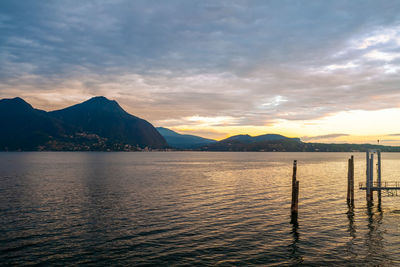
227 70
355 126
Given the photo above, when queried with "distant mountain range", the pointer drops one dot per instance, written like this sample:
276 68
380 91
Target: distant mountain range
100 124
245 142
266 142
183 141
279 143
96 124
247 139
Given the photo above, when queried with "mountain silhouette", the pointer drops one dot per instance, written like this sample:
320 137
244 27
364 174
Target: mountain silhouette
107 119
100 124
247 139
23 127
266 142
26 128
183 141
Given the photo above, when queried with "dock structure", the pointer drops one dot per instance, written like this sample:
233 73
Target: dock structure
388 186
370 186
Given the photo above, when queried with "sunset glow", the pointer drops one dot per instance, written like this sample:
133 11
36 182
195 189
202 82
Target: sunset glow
323 72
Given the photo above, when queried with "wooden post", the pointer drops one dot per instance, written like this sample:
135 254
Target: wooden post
295 195
295 201
367 176
294 172
350 181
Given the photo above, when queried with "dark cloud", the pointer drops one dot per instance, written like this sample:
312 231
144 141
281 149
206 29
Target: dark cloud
256 61
322 137
209 133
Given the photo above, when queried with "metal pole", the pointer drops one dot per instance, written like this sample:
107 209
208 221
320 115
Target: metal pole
371 173
371 177
379 175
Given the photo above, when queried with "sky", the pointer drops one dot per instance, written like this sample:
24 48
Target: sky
325 71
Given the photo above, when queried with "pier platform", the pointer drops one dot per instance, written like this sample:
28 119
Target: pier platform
389 185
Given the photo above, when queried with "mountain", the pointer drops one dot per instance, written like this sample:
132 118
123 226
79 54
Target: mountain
23 127
266 142
272 142
247 139
107 119
100 124
183 141
96 124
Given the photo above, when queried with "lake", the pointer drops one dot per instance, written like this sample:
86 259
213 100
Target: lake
192 208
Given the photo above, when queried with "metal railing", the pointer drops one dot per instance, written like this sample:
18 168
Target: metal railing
384 184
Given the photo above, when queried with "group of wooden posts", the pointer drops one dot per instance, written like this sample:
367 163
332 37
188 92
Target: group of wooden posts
369 187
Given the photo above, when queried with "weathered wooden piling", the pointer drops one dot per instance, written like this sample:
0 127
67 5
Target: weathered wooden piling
367 175
295 200
295 194
350 181
294 172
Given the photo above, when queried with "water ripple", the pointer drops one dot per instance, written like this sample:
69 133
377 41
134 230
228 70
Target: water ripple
185 209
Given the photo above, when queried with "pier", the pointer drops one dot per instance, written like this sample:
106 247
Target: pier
391 187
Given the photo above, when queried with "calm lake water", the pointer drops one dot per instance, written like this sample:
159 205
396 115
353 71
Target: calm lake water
191 208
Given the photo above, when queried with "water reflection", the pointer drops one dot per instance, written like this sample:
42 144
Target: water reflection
350 217
168 209
351 248
374 236
103 204
295 253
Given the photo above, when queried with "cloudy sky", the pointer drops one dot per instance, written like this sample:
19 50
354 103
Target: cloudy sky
320 70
